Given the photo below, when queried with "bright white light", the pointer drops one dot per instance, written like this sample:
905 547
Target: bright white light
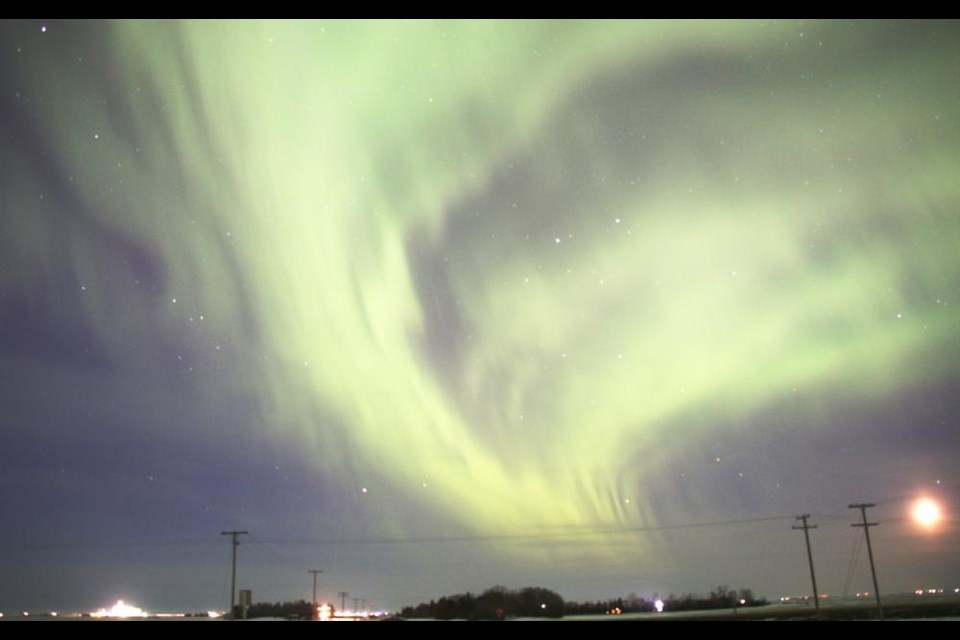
658 605
926 512
324 612
120 610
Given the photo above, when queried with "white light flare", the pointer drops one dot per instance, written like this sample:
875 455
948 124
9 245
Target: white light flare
926 513
120 610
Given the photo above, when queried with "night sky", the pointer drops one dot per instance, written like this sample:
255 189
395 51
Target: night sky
436 306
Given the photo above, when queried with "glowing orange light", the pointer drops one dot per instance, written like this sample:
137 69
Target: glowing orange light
926 512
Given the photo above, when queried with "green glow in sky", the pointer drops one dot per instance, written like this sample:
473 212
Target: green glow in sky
511 268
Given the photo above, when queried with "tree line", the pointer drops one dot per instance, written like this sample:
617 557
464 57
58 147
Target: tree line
500 603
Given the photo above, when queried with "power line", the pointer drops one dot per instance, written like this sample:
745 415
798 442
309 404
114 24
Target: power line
272 556
529 536
828 519
852 564
907 496
226 583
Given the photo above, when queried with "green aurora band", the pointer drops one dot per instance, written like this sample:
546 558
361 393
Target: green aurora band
335 200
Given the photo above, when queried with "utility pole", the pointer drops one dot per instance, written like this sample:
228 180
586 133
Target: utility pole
356 605
364 601
233 573
813 578
314 572
343 600
866 530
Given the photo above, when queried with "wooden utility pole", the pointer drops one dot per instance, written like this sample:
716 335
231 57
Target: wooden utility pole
315 572
866 530
813 578
233 573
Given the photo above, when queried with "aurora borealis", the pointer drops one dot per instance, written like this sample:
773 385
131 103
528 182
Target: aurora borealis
488 297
